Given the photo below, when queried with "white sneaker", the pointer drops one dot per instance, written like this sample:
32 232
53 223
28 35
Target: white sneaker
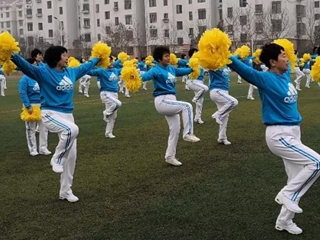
200 121
292 206
34 153
45 152
224 142
191 138
80 92
110 135
86 95
145 89
187 88
216 117
69 197
173 161
127 96
250 98
289 227
307 86
194 100
57 168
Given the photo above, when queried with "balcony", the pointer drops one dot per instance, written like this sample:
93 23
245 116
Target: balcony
28 15
165 20
86 26
115 8
39 14
85 11
38 1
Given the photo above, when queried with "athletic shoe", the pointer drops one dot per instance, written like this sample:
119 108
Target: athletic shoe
290 227
34 153
216 117
307 86
292 206
200 121
127 96
224 142
173 161
69 197
145 89
57 168
191 138
45 152
86 95
110 135
250 98
194 99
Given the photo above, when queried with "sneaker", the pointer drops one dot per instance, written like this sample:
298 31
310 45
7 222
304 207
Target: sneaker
307 86
69 197
34 153
200 121
191 138
173 161
250 98
223 142
187 88
45 152
289 227
86 95
80 92
110 135
292 206
216 117
145 89
239 82
57 168
194 99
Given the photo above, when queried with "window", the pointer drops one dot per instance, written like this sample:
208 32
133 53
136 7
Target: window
2 25
60 10
39 11
98 22
165 2
30 40
190 16
127 4
201 14
190 1
180 41
130 50
50 19
201 1
97 8
107 15
86 22
316 4
243 37
1 15
49 4
128 19
86 7
99 37
301 28
301 10
317 16
258 9
30 27
276 7
230 12
20 23
166 33
276 25
243 3
115 5
20 13
29 11
220 14
165 15
7 14
230 28
191 32
153 33
153 17
259 27
87 37
202 29
179 9
20 31
152 3
116 21
8 24
179 25
106 2
243 20
40 26
40 39
129 34
108 30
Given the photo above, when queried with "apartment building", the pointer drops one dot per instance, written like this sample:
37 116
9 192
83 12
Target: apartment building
8 16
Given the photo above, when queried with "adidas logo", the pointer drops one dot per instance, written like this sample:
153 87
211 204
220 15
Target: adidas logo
171 78
65 84
36 87
113 77
292 94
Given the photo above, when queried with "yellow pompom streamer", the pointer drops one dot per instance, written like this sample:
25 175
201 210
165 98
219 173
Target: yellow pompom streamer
306 57
72 62
256 56
9 67
301 62
8 46
289 49
149 60
35 116
194 65
123 57
315 70
173 59
102 51
214 51
130 75
243 52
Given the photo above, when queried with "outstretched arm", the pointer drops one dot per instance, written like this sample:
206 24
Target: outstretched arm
182 71
147 76
86 67
28 69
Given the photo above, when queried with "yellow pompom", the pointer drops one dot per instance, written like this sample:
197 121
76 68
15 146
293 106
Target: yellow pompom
306 57
130 76
149 60
173 59
123 57
9 67
35 116
102 51
301 62
243 52
214 51
8 46
72 62
194 65
256 56
315 70
289 49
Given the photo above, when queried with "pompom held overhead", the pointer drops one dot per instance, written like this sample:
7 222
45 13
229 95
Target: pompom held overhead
102 51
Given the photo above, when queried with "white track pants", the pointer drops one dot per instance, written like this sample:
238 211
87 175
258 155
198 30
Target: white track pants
301 163
31 136
299 75
98 84
168 106
307 74
110 99
225 104
239 79
66 151
199 90
3 85
250 90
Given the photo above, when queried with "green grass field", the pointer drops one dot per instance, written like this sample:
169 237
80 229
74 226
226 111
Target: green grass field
126 189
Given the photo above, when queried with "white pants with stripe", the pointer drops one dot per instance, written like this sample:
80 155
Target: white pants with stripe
302 164
110 99
66 150
250 90
84 88
225 104
299 75
199 90
3 85
307 74
168 106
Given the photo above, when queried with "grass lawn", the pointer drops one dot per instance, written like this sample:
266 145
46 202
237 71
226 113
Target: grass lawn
126 189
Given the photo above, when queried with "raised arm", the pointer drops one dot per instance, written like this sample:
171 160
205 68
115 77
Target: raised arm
28 69
182 71
85 67
147 76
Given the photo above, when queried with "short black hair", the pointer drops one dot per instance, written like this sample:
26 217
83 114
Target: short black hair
30 60
192 51
53 55
270 51
158 53
35 52
183 56
143 58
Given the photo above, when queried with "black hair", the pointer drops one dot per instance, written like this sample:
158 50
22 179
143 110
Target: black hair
35 52
318 50
142 59
270 51
82 60
53 55
183 56
158 53
30 60
192 51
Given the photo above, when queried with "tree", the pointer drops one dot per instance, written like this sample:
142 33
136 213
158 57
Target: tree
312 27
82 46
59 38
31 42
119 37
